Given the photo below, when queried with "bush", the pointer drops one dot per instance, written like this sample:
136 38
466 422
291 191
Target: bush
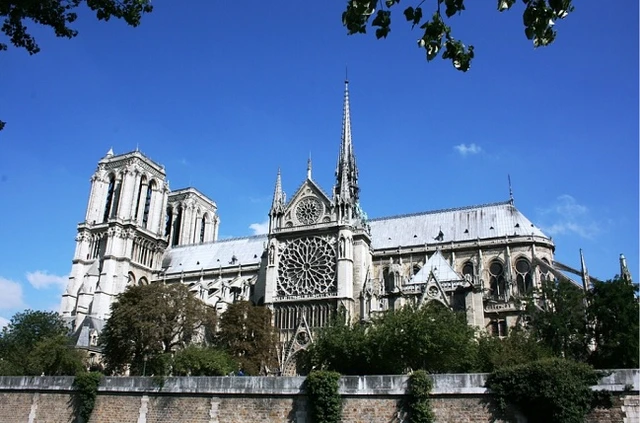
547 391
325 403
86 385
420 386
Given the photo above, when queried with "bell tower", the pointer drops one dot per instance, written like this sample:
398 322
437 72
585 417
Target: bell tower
122 239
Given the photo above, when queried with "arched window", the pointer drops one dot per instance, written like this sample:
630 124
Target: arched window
467 269
143 281
497 281
110 193
203 226
168 221
544 273
524 279
176 227
147 204
143 181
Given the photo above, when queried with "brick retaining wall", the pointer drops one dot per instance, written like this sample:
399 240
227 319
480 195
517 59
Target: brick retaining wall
368 399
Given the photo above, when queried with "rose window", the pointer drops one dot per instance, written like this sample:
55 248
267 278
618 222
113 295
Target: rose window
307 267
308 210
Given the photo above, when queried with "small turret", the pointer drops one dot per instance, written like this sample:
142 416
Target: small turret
624 270
277 205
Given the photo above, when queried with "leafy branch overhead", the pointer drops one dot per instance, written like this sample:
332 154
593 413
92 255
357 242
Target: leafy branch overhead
59 14
539 17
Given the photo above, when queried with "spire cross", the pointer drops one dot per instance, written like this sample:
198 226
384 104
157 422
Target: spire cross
510 190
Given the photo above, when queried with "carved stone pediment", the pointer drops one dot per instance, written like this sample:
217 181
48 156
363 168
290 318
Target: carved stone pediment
309 206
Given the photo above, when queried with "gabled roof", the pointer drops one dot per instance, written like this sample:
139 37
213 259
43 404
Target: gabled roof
247 251
313 185
496 220
440 267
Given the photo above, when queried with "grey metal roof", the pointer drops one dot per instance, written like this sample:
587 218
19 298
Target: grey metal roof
462 224
486 221
212 255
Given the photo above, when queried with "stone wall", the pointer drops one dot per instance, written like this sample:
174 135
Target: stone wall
367 399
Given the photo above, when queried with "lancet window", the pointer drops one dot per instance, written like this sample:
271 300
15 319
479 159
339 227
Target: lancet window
110 194
143 181
467 269
497 281
203 226
147 204
524 279
168 221
176 227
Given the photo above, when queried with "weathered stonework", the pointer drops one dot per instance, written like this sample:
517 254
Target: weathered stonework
459 398
483 259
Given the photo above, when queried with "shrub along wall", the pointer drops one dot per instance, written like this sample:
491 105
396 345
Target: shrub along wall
370 399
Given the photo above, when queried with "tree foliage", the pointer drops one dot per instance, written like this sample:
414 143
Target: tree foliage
38 342
197 360
149 321
613 312
325 403
539 17
247 334
547 391
59 15
432 338
561 321
419 404
517 348
86 386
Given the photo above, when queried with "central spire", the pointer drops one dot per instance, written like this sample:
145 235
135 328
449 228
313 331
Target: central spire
346 169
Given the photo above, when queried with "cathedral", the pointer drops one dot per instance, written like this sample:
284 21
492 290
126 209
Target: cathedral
322 255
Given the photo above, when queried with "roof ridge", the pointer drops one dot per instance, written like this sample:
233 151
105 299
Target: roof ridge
398 216
237 238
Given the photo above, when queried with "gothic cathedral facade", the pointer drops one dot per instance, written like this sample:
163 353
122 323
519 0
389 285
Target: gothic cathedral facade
322 255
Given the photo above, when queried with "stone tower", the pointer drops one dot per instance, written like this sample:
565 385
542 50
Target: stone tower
122 238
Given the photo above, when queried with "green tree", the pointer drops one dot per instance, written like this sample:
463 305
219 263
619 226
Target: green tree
561 322
148 322
37 342
247 334
539 18
197 360
517 348
432 338
613 313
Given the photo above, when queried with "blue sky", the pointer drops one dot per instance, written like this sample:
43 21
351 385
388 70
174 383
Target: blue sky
224 93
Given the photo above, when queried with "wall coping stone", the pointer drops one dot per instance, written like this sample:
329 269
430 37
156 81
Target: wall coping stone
392 385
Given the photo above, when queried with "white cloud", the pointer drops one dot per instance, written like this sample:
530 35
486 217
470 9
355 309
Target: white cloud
566 216
11 297
466 150
3 322
43 279
260 228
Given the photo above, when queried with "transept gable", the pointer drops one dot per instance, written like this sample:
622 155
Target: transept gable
310 205
433 291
